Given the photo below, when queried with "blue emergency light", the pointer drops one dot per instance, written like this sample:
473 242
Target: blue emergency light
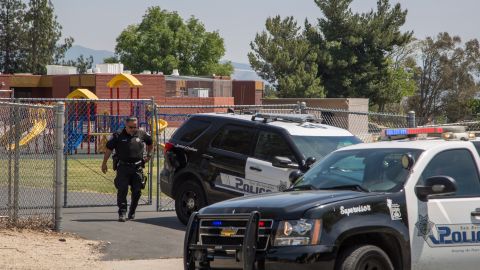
412 131
217 223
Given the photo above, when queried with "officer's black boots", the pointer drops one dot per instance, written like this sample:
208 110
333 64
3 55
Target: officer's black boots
131 216
122 218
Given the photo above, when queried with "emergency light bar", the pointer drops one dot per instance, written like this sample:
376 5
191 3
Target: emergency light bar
412 131
447 133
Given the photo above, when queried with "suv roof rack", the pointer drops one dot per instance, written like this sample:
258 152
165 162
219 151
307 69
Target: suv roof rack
297 118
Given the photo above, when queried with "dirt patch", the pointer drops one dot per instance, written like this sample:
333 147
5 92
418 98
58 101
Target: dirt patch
28 249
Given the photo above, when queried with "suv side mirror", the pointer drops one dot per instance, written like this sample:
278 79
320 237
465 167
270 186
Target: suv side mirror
436 185
293 177
309 162
284 162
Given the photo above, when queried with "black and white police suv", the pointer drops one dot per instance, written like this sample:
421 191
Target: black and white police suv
408 204
214 157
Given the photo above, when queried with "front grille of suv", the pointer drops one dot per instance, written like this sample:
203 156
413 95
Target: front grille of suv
231 232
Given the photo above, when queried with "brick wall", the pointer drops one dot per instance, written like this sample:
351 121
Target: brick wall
60 86
6 80
153 86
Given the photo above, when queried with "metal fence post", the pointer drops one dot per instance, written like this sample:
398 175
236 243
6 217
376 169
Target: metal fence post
65 162
16 162
157 155
411 119
10 173
303 107
59 163
159 137
154 129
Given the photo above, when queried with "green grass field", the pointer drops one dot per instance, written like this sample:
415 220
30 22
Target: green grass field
83 173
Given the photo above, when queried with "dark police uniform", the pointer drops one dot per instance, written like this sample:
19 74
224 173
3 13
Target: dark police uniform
129 150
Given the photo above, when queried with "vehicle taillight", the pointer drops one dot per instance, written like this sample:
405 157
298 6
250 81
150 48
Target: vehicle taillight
168 147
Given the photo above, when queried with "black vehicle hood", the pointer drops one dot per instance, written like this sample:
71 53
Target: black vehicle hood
282 205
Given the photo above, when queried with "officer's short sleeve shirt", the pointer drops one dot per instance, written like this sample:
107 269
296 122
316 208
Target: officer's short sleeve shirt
147 138
129 148
112 141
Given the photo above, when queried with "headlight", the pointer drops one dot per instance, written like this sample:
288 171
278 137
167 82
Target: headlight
298 232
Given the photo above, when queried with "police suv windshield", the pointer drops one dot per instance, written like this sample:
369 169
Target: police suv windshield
372 170
319 147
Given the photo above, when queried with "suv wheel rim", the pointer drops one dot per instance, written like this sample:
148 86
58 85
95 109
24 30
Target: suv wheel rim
189 202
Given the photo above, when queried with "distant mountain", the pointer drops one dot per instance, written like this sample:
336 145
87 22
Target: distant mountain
98 55
242 71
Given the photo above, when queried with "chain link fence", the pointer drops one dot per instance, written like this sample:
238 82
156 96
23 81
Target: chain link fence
364 125
30 136
88 125
472 126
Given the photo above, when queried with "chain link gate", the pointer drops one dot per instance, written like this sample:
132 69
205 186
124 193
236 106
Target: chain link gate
88 124
30 137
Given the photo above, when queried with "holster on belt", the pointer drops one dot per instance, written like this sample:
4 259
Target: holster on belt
115 161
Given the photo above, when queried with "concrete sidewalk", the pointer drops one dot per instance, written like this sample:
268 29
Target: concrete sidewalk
153 235
170 264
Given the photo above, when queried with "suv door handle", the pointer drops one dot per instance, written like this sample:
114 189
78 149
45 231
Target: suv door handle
208 157
255 169
475 213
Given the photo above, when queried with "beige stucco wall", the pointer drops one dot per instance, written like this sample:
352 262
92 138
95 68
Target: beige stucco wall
355 123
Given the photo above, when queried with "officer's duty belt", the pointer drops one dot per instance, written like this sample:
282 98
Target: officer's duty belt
133 164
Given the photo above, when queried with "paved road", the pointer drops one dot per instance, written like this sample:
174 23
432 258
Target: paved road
153 235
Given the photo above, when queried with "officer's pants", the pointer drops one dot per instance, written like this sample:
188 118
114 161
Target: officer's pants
128 176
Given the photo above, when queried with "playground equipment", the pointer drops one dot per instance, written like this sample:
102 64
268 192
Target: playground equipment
76 120
37 120
115 83
161 126
90 121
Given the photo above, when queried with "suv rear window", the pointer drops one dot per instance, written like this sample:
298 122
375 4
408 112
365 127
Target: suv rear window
234 139
191 130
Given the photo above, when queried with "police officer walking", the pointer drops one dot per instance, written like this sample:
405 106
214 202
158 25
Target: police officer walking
129 149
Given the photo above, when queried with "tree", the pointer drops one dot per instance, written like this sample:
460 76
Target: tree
284 57
446 78
82 63
163 41
12 27
399 82
42 37
111 60
270 91
353 49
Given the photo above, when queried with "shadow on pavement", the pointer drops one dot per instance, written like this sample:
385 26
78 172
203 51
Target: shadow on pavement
168 222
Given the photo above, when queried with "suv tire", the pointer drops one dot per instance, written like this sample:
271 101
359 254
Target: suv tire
188 199
366 257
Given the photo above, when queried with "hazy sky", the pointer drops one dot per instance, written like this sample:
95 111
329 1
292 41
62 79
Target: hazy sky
97 23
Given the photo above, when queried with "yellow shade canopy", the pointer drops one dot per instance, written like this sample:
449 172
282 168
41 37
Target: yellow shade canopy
130 79
82 93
